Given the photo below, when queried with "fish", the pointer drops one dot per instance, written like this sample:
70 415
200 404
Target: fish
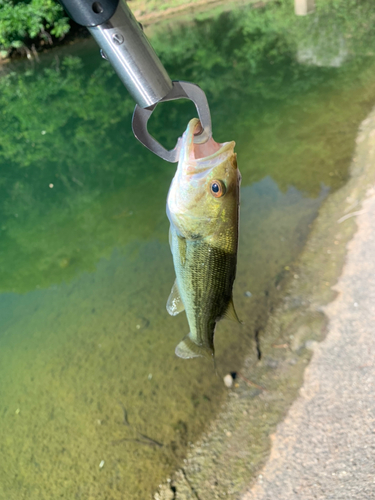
203 210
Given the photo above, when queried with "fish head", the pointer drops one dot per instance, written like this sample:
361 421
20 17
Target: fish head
204 194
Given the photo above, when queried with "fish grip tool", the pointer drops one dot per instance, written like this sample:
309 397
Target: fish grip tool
180 90
124 44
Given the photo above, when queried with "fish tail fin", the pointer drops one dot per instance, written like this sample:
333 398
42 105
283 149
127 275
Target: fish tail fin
187 349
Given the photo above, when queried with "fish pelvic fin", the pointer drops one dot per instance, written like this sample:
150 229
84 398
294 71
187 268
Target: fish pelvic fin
174 303
187 349
231 314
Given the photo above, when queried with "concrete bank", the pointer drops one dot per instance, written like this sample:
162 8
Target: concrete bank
325 447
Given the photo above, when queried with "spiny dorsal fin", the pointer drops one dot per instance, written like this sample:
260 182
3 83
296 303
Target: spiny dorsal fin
230 313
174 303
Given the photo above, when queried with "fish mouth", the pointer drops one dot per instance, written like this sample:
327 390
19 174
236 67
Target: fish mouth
208 150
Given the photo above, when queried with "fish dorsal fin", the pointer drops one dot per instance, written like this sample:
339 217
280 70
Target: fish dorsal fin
230 313
174 303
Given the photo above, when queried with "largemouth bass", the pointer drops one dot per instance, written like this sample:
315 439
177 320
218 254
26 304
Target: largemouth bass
203 209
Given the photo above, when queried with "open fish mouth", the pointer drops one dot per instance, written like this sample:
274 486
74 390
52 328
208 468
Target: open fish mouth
209 150
205 149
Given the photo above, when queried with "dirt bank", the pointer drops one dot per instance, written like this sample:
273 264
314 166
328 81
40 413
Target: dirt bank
150 15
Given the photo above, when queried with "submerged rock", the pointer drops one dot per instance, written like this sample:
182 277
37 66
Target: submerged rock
228 380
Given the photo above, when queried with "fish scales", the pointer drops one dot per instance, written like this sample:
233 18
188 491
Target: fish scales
209 274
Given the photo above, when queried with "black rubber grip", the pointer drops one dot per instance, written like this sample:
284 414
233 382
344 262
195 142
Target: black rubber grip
90 13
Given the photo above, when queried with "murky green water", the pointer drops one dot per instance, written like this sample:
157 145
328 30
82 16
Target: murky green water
85 267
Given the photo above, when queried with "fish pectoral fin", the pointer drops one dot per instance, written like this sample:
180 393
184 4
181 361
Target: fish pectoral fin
174 303
231 314
187 349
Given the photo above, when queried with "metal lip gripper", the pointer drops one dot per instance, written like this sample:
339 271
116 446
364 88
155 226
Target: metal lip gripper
180 90
124 44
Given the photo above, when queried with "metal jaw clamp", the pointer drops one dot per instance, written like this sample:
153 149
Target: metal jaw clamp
126 47
180 90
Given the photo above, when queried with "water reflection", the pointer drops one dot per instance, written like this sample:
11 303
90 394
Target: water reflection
85 268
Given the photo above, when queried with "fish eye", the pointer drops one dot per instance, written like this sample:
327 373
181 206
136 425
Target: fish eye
217 188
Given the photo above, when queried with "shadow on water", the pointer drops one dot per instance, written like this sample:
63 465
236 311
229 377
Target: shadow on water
85 267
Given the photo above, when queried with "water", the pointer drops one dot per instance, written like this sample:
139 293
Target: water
85 267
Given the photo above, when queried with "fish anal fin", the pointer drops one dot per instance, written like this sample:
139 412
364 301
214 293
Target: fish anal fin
231 314
187 349
174 303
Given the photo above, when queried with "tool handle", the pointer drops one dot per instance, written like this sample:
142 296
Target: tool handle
89 12
124 44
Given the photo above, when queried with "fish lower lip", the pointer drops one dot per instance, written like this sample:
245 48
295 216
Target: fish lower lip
199 130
